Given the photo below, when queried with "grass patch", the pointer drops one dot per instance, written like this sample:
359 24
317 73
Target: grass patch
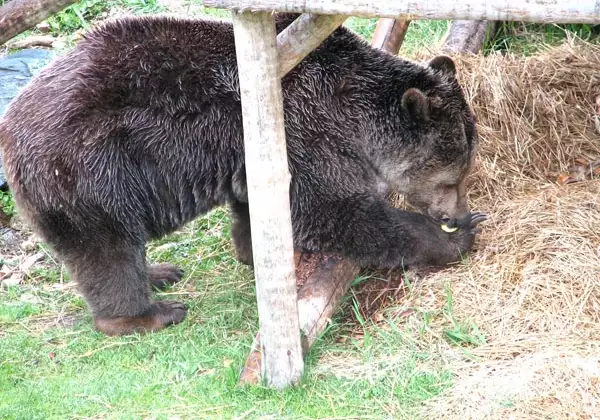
529 38
78 15
461 332
7 204
54 365
422 34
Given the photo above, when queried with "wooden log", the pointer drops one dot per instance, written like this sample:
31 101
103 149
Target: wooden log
389 34
268 181
32 41
324 281
17 16
468 36
304 35
542 11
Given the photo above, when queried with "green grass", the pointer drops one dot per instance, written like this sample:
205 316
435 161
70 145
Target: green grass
78 15
528 38
54 365
421 34
515 37
7 204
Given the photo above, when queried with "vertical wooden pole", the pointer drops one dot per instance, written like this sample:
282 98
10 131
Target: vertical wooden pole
268 180
389 34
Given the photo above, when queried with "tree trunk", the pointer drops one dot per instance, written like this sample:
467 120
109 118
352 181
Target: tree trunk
17 16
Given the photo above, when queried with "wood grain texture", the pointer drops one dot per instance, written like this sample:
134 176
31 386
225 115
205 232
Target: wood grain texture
542 11
17 16
304 35
320 295
268 180
468 36
389 34
318 298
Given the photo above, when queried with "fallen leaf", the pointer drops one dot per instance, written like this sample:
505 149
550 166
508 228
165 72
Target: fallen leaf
564 179
30 244
208 372
43 27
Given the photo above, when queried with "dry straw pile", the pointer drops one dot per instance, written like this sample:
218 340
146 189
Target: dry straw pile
533 285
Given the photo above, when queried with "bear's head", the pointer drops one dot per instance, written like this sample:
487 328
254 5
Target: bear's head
438 139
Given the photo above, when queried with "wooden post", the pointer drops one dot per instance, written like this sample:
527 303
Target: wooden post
17 16
268 181
541 11
389 34
468 36
304 35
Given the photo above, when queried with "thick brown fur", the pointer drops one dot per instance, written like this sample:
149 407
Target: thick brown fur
138 130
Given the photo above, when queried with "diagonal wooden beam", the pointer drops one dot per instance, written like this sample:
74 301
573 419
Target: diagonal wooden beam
303 35
389 34
323 280
468 36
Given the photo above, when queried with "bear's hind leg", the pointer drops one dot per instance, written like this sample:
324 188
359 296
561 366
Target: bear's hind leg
115 282
240 232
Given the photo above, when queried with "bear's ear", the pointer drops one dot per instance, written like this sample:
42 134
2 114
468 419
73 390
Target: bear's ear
416 104
444 64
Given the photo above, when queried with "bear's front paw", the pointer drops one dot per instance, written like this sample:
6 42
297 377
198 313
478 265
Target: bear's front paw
462 231
466 224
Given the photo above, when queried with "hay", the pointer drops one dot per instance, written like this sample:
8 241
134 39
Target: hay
533 285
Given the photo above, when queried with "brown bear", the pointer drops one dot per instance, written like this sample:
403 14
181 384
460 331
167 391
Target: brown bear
138 130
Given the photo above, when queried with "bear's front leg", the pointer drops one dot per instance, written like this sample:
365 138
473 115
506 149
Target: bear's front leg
372 233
